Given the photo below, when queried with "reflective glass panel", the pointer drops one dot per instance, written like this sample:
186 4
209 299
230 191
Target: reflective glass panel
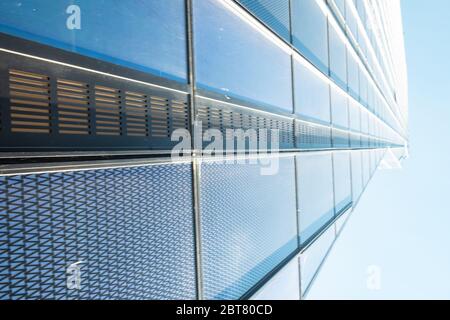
309 32
147 36
234 59
312 96
339 109
338 58
353 76
355 116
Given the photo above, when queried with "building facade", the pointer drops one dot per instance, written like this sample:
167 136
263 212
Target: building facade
279 112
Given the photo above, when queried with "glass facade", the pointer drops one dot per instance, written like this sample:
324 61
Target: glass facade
94 94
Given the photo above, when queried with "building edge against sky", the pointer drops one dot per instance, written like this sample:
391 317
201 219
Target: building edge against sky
92 207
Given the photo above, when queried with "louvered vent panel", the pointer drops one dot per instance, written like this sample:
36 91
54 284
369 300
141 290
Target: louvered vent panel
230 118
47 107
214 118
136 106
227 119
313 136
227 123
340 138
246 122
179 115
160 117
73 107
202 116
237 120
355 140
286 130
29 102
107 111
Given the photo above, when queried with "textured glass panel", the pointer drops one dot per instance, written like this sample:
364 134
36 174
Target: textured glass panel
315 193
131 228
275 13
342 180
338 58
285 285
357 179
148 36
248 224
339 109
309 32
312 259
234 59
312 96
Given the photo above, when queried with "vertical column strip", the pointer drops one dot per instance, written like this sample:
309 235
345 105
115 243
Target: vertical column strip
196 162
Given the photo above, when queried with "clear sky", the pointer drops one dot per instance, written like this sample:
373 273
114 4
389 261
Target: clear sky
402 224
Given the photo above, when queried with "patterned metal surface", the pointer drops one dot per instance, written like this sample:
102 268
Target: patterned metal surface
131 228
248 224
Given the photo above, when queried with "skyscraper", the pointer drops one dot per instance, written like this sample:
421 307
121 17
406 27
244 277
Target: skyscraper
189 149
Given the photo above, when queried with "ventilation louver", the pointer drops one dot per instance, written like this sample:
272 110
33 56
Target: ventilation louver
29 102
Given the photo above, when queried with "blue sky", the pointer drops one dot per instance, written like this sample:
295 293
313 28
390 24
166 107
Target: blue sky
402 224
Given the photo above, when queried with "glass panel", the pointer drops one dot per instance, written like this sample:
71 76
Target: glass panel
340 223
370 98
364 121
249 67
366 167
351 20
355 116
361 12
338 58
312 96
339 109
363 95
275 13
248 224
309 32
150 37
373 161
315 193
285 285
357 178
311 259
341 6
342 181
353 76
